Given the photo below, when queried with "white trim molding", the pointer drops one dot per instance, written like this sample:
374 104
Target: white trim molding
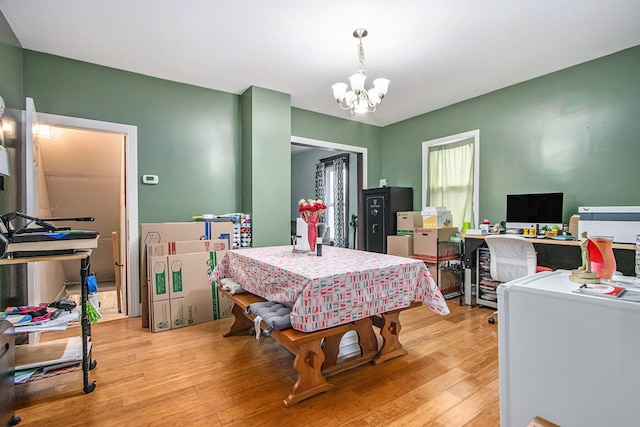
475 134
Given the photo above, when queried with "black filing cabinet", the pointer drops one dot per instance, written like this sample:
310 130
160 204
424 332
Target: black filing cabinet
7 372
381 206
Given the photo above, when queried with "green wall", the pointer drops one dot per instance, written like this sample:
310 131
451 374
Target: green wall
10 67
576 131
321 127
267 156
187 135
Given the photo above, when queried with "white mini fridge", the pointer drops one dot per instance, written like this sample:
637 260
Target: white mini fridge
569 358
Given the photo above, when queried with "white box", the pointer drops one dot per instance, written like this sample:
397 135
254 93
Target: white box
439 220
433 210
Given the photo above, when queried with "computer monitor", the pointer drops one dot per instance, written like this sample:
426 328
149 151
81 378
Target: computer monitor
534 210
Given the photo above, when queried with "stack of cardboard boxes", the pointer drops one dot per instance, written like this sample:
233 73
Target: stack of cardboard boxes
426 236
174 273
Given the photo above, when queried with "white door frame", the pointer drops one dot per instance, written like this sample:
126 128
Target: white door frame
335 146
30 158
472 134
131 194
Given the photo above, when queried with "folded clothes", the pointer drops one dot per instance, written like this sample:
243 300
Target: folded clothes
16 319
31 310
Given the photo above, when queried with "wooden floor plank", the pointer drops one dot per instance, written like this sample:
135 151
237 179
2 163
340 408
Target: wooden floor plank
194 376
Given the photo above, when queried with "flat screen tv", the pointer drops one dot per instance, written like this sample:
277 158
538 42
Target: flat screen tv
541 208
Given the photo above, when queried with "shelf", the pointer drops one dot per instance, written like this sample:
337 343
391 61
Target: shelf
29 356
61 257
47 353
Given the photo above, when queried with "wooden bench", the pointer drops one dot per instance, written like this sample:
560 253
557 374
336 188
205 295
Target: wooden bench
316 353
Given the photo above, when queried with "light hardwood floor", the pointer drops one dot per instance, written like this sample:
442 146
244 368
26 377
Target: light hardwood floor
195 377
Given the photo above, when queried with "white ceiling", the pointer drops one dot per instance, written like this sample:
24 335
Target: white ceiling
436 53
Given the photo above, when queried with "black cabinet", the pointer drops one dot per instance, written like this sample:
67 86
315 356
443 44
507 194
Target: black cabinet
381 206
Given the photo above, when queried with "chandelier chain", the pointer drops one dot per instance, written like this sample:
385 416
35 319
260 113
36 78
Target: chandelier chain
361 56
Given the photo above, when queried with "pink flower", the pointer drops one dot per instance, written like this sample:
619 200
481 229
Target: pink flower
311 210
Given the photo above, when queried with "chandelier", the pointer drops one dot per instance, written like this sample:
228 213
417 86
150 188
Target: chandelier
359 100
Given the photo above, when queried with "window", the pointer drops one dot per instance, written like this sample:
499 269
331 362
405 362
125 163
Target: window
450 171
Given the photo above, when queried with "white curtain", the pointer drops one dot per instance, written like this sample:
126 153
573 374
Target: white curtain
450 179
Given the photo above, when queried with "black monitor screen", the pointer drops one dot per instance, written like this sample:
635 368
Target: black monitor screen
535 208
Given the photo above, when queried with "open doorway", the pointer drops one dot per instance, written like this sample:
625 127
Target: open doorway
91 166
83 175
305 154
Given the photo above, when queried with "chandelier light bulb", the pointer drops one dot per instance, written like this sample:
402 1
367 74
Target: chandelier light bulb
360 100
339 91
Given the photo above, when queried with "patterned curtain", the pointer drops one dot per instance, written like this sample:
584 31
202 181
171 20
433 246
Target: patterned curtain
320 180
338 191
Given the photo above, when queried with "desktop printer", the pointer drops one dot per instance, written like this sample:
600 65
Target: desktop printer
621 222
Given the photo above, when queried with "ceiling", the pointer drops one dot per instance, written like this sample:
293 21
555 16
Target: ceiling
436 53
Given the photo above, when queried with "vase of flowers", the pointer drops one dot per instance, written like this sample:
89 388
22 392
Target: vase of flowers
311 211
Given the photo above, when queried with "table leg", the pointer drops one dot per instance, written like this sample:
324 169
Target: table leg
240 324
367 341
308 363
390 329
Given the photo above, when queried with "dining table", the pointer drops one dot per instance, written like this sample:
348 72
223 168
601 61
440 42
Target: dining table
342 290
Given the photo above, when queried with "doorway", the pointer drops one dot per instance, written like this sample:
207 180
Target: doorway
82 175
75 158
357 178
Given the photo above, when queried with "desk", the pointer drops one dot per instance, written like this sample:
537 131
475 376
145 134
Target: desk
553 253
343 290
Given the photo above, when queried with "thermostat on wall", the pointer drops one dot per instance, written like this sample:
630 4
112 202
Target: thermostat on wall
149 179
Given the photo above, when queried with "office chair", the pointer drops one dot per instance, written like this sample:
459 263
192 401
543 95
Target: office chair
512 257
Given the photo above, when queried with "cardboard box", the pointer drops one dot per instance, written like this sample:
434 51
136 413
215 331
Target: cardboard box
160 316
433 244
439 220
188 246
178 313
183 247
190 272
175 231
192 309
199 306
182 282
407 221
400 245
448 281
159 278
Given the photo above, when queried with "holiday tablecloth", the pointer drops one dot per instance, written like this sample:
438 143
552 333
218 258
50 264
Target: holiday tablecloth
341 286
